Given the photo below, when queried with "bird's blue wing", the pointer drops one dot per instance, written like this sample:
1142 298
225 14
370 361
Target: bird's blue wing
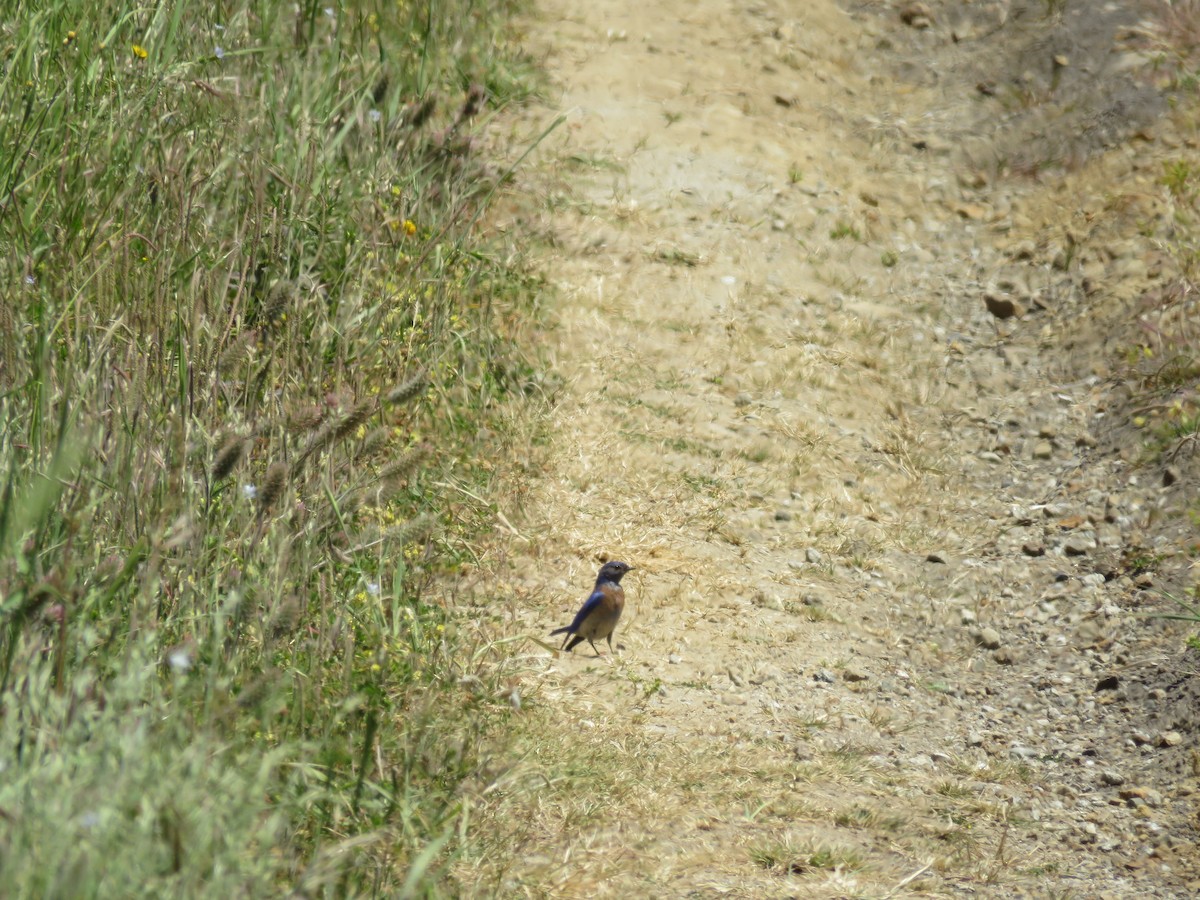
589 606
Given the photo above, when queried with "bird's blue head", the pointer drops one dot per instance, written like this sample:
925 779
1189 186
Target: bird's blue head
613 571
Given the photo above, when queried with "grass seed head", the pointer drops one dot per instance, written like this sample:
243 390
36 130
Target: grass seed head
280 299
413 530
404 463
476 97
286 617
238 351
228 456
380 90
422 112
353 419
301 420
272 487
408 390
375 441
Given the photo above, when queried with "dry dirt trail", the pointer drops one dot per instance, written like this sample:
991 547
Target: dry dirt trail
881 536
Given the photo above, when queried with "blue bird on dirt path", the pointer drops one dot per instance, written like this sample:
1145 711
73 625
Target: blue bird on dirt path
598 616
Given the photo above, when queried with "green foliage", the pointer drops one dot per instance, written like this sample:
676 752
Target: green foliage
789 858
844 230
1178 178
248 342
1188 612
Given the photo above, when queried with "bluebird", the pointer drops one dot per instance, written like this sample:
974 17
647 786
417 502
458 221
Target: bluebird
599 614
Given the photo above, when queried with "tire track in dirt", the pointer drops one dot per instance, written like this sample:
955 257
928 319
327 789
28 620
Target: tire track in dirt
773 349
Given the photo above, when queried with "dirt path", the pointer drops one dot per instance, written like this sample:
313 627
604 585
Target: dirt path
881 541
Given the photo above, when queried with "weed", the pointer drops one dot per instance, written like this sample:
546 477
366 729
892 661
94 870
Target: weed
1178 178
676 257
845 230
1188 613
1055 8
869 818
701 483
790 858
811 612
224 665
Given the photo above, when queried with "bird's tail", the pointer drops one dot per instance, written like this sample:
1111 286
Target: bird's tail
562 630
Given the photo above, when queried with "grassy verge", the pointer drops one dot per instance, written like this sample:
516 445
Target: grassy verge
249 346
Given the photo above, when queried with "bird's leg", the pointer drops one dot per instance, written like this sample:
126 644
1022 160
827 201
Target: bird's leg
593 643
610 646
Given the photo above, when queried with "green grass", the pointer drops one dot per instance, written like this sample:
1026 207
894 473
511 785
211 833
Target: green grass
845 230
249 342
1164 365
789 858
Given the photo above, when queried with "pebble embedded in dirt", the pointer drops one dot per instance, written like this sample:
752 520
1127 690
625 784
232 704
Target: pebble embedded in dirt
988 638
1003 307
1080 545
1170 739
854 672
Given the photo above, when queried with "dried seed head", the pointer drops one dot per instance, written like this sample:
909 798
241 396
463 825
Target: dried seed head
238 351
273 484
380 91
404 463
474 102
353 502
300 420
408 390
375 441
353 419
228 456
422 112
320 439
281 298
286 617
254 693
411 531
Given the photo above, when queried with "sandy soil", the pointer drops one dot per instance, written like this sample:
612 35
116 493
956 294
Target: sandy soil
883 638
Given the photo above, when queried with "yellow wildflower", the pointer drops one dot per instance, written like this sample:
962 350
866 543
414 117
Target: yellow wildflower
139 51
410 227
